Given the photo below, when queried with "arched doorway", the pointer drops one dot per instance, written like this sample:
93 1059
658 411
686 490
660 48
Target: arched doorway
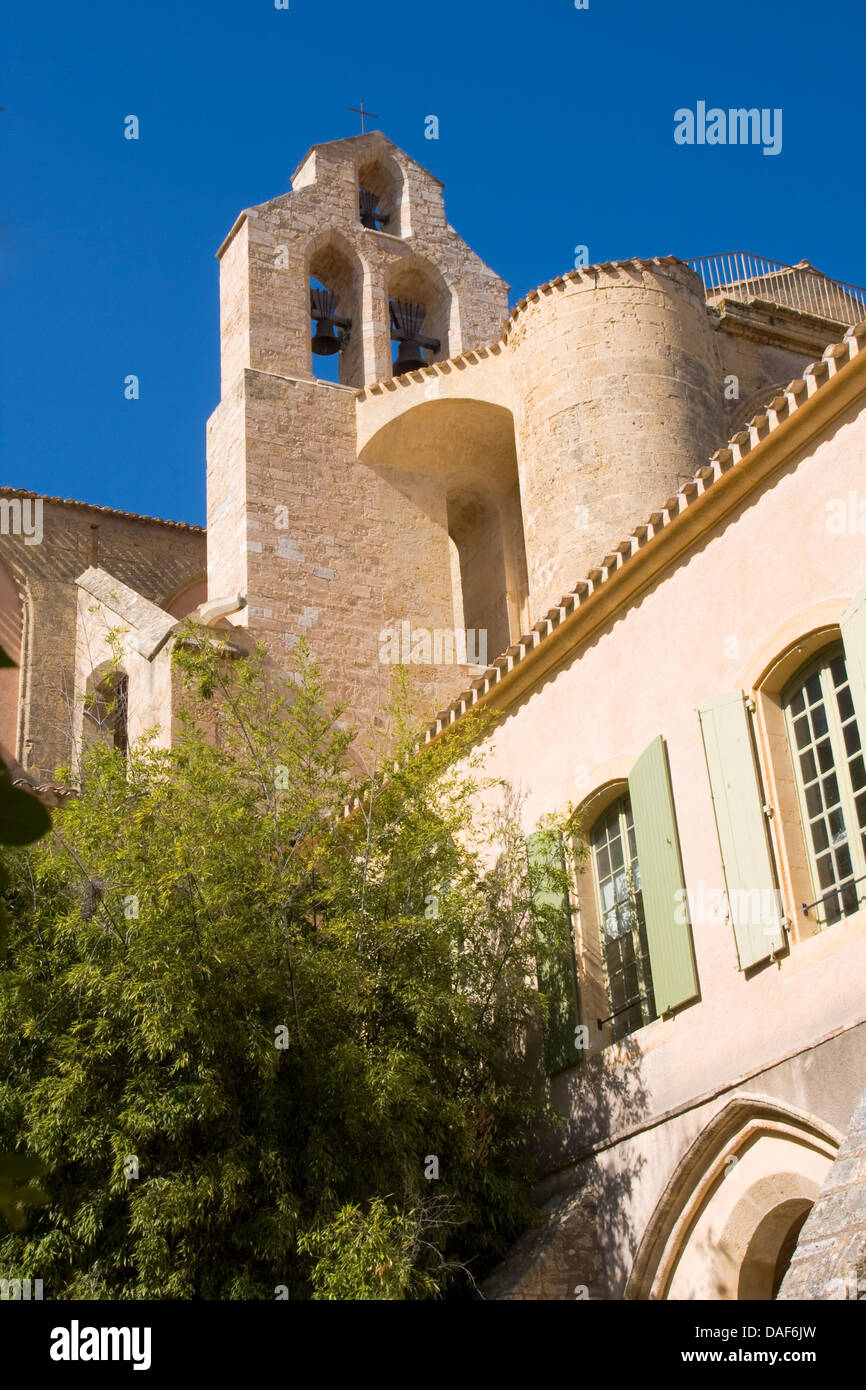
728 1221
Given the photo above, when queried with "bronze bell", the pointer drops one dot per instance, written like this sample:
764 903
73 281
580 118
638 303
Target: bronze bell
326 339
371 217
406 323
410 356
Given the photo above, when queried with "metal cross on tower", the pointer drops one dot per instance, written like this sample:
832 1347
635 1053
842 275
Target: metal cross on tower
364 114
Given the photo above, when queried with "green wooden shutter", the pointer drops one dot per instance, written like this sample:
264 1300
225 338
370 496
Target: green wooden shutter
551 918
750 877
668 933
853 625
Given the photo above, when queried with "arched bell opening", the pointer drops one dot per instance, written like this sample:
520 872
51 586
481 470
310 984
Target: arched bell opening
380 195
419 305
336 340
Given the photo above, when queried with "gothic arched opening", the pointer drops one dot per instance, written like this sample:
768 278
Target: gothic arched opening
382 178
412 283
334 267
728 1221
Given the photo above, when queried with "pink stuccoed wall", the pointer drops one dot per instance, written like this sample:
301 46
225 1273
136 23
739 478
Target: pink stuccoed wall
770 573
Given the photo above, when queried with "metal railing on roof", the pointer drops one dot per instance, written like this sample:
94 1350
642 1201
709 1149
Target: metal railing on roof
744 277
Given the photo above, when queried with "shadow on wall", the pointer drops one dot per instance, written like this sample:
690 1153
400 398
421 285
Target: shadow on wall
584 1245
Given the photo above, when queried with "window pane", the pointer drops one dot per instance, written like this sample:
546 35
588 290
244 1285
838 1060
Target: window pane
836 826
845 703
825 754
831 775
830 787
820 836
814 804
852 738
813 689
617 875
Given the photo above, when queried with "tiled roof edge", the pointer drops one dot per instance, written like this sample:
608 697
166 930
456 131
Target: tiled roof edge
471 355
815 378
106 511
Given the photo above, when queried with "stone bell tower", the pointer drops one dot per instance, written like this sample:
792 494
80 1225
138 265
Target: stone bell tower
315 542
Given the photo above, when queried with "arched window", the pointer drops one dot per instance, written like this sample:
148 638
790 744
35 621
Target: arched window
827 753
620 913
107 711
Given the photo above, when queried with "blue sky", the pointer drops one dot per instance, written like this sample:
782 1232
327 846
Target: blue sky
556 130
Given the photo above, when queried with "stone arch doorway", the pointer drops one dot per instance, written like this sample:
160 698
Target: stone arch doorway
727 1223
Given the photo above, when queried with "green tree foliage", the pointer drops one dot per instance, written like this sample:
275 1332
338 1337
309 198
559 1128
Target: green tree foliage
245 1030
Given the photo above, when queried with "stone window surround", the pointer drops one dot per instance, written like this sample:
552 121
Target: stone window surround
817 630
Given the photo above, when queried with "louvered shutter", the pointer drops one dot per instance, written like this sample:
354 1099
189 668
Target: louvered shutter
853 625
669 937
750 878
554 952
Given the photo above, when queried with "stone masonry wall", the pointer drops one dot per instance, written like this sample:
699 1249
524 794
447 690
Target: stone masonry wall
830 1259
156 558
